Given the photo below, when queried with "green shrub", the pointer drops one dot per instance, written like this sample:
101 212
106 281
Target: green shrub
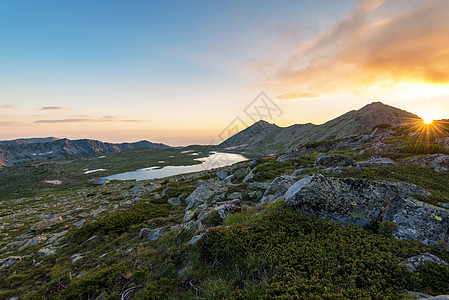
387 228
286 255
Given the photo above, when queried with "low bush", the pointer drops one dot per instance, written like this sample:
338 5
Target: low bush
286 255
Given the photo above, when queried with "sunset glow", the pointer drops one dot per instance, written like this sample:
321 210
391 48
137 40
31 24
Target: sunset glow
181 72
428 120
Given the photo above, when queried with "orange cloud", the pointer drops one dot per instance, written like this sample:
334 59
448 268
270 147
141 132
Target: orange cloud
8 106
370 48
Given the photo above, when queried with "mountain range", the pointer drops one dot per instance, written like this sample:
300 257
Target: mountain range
262 137
267 138
22 150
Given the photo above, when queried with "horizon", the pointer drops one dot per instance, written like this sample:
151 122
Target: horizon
181 73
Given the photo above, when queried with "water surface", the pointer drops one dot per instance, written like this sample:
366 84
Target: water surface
214 160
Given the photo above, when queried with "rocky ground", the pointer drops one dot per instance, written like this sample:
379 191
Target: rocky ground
64 239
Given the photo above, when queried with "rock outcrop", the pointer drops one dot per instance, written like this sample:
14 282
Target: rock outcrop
331 160
418 261
362 202
277 188
439 162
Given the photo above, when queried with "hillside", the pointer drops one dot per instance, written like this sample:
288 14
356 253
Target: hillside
270 138
23 150
363 218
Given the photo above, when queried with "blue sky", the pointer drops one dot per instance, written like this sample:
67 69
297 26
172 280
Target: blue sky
170 71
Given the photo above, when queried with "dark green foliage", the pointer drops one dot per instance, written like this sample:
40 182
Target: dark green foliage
424 148
92 285
387 228
432 279
120 221
285 255
213 219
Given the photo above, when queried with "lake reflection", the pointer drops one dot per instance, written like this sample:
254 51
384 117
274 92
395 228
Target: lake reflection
215 160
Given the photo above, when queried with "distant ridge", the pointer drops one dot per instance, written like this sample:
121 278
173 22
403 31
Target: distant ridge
22 150
29 141
270 138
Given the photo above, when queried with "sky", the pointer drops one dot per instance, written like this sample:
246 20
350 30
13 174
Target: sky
186 72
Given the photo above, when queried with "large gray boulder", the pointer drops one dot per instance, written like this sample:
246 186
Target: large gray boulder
331 160
419 221
204 191
439 162
346 200
151 234
277 188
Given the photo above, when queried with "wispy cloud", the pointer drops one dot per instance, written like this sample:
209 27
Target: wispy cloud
54 108
8 106
369 48
87 119
65 121
7 123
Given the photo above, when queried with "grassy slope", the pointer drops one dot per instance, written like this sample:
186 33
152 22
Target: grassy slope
270 252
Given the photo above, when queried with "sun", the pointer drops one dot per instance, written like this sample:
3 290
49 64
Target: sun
427 120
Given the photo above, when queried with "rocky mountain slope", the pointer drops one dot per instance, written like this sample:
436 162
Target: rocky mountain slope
270 138
22 150
362 218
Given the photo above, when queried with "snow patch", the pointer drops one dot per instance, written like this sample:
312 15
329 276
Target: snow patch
92 171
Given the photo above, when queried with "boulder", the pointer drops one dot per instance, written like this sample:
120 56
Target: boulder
166 191
47 251
346 200
277 188
439 162
97 211
34 241
331 160
9 261
174 201
79 224
227 209
221 174
151 234
204 191
418 261
188 215
289 156
46 223
419 221
374 162
200 195
196 238
250 176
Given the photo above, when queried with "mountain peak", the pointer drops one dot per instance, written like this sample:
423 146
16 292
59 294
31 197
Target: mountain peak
262 123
